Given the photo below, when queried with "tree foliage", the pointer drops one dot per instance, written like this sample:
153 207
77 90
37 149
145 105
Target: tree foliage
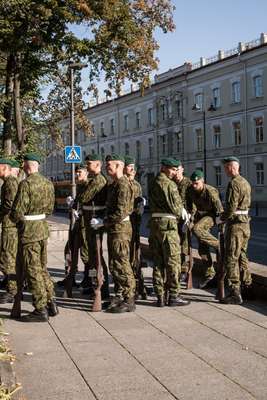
37 43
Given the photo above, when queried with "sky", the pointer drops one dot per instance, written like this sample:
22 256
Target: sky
203 27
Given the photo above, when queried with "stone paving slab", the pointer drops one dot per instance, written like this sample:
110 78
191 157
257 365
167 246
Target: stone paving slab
206 351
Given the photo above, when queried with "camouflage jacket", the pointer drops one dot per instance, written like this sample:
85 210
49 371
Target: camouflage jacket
8 193
136 216
183 188
94 193
35 196
206 202
164 196
120 203
81 187
238 197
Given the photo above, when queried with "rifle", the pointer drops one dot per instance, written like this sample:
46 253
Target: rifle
220 261
71 253
97 273
189 283
16 309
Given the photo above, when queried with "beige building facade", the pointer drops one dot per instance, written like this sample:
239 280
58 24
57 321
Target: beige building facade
199 113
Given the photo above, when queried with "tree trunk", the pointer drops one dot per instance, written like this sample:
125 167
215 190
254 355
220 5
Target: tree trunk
7 112
17 106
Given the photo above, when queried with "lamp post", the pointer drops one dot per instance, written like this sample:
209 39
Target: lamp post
197 107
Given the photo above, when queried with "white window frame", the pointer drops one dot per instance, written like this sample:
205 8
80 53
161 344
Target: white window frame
150 116
126 122
236 92
102 128
137 120
258 129
259 173
218 175
237 136
216 95
217 131
198 100
258 86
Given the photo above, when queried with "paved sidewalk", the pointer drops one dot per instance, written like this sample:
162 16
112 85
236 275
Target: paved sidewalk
205 351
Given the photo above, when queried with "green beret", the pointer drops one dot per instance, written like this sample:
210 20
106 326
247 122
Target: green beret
6 161
179 162
197 175
80 166
129 160
229 159
15 164
32 157
93 157
170 162
115 157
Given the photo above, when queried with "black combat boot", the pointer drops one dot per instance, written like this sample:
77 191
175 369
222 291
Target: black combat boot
6 298
127 305
234 297
3 282
208 282
52 308
36 316
62 283
108 305
161 301
175 301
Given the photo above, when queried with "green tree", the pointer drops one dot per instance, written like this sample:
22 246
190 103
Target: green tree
37 41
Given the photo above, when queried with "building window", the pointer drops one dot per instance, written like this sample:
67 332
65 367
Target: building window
237 133
258 129
126 122
199 100
102 129
150 116
93 129
178 107
236 92
163 111
199 137
126 149
218 176
163 144
138 151
216 94
260 174
102 152
179 142
93 151
217 136
137 120
112 149
257 86
150 148
112 126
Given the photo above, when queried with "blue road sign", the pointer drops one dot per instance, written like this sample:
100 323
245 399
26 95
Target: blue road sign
73 154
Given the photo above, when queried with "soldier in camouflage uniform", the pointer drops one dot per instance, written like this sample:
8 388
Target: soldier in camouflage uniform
166 209
135 217
237 230
34 200
183 183
9 235
204 204
120 202
93 203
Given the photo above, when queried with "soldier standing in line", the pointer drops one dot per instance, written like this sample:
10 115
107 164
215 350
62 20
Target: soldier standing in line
135 217
15 168
9 234
93 203
120 201
183 183
204 206
166 210
34 201
79 228
237 231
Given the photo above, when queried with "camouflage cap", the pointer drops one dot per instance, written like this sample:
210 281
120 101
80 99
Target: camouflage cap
15 164
170 162
197 175
32 157
115 157
230 159
129 160
6 161
80 166
93 157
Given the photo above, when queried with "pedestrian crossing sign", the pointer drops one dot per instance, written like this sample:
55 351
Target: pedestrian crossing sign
73 154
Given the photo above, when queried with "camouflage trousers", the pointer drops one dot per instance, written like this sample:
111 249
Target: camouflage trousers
135 260
165 247
119 264
236 260
34 256
9 248
206 240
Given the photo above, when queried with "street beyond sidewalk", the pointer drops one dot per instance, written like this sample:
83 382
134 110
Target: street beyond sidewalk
206 351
